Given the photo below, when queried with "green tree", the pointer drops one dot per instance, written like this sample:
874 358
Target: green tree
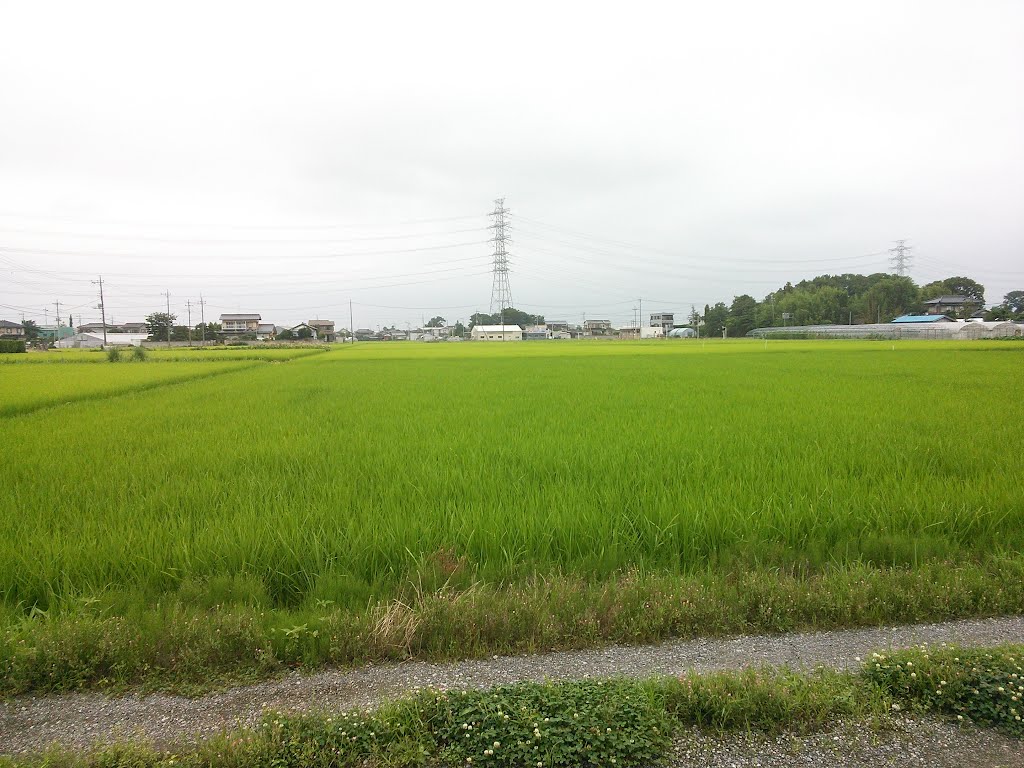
715 318
742 315
208 331
436 322
157 325
285 335
460 329
511 316
305 332
1013 301
31 330
957 286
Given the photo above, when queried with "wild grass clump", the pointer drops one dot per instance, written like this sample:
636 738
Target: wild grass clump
113 354
979 685
139 353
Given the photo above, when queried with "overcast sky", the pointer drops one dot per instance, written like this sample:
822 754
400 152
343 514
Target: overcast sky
288 158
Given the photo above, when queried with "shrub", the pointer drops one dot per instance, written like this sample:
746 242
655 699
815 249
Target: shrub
113 354
589 723
12 346
139 353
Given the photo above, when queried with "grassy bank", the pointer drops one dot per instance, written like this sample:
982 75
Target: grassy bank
213 634
612 722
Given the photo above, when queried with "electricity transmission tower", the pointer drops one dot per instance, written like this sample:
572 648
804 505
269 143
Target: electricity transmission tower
901 257
501 292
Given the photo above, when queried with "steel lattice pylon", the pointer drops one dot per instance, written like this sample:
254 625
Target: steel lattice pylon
501 291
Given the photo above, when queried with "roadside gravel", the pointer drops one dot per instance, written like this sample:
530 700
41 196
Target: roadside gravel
79 720
906 743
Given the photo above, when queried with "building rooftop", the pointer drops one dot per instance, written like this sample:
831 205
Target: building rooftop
9 324
924 319
950 300
241 317
497 328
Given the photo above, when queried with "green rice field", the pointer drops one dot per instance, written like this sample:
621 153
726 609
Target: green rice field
342 480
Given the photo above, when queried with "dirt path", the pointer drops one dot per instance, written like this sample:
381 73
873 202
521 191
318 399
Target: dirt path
78 720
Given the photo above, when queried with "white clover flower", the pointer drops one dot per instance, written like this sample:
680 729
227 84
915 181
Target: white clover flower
497 744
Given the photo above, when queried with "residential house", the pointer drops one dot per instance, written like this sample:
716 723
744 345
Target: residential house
664 320
9 330
323 329
536 333
557 325
265 331
233 325
366 334
942 305
597 327
497 333
131 328
97 328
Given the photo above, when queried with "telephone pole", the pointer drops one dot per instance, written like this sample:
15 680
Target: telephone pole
202 318
102 309
501 292
167 295
188 305
56 325
901 257
351 326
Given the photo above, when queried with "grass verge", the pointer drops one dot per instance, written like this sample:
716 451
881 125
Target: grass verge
611 722
218 632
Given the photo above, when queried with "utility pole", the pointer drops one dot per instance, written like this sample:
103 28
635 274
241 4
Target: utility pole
188 305
901 257
56 325
351 325
639 330
202 318
102 308
501 292
167 294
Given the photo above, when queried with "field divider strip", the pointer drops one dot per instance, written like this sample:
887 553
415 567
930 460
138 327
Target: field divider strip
14 412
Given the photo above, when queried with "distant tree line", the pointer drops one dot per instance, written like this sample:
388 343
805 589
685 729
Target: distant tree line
510 315
847 298
158 322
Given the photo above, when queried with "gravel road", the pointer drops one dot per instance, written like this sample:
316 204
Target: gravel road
908 743
78 720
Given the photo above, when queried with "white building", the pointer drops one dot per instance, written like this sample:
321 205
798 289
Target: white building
95 340
652 332
497 333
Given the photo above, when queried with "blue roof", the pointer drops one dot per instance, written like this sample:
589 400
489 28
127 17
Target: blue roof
922 319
